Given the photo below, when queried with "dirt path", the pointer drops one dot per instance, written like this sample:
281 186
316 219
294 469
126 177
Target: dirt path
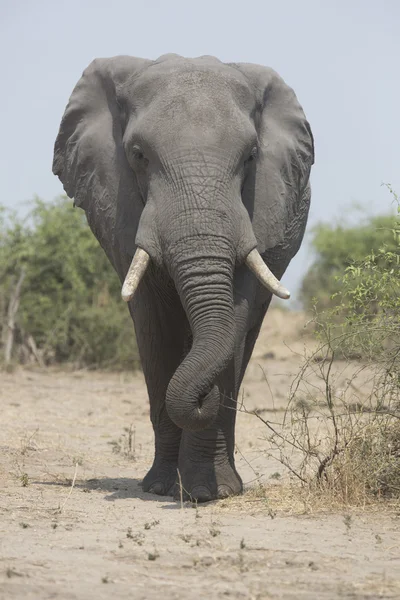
103 537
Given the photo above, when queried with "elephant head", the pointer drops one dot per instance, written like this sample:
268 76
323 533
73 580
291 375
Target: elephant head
195 167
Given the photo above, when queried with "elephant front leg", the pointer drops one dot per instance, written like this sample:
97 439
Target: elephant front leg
206 461
161 331
161 478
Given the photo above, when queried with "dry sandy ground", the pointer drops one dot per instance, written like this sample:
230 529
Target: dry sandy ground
103 537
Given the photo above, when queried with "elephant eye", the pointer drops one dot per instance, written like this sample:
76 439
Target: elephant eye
253 155
137 153
137 158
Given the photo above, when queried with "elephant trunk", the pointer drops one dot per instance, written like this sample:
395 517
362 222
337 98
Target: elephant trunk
204 284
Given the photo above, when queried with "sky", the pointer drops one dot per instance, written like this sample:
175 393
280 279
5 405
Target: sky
341 57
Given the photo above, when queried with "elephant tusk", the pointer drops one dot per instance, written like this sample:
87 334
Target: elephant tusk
267 278
136 271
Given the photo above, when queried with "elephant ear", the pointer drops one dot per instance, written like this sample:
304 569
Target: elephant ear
90 161
277 192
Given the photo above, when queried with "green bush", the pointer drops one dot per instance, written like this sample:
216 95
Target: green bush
365 312
337 247
70 302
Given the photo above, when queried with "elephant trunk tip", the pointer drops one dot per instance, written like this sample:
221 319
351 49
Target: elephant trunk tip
193 414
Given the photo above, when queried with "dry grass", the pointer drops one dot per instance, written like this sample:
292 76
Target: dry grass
271 499
338 439
295 499
368 468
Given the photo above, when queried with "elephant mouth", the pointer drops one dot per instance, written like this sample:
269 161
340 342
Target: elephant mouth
253 260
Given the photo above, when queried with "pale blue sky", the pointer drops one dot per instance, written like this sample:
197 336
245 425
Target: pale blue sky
342 58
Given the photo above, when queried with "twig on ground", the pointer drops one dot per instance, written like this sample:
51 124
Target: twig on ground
70 490
180 488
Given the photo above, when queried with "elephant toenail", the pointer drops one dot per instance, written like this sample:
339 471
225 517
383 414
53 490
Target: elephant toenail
224 491
157 488
201 494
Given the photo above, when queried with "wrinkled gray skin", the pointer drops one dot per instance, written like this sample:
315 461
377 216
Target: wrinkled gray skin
197 162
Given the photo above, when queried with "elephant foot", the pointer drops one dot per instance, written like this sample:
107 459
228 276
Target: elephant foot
203 483
161 478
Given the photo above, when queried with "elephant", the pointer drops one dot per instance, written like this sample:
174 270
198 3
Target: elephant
194 177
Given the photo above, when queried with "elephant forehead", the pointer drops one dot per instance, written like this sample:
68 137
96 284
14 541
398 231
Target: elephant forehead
196 84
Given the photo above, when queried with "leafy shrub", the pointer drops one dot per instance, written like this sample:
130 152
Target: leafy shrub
338 247
70 303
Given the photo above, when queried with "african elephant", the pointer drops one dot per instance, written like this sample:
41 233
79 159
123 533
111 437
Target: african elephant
194 176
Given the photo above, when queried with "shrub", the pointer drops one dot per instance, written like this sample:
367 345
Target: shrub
70 304
336 248
341 434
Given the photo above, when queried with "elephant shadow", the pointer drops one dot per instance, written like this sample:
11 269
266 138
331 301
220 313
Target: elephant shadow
118 488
